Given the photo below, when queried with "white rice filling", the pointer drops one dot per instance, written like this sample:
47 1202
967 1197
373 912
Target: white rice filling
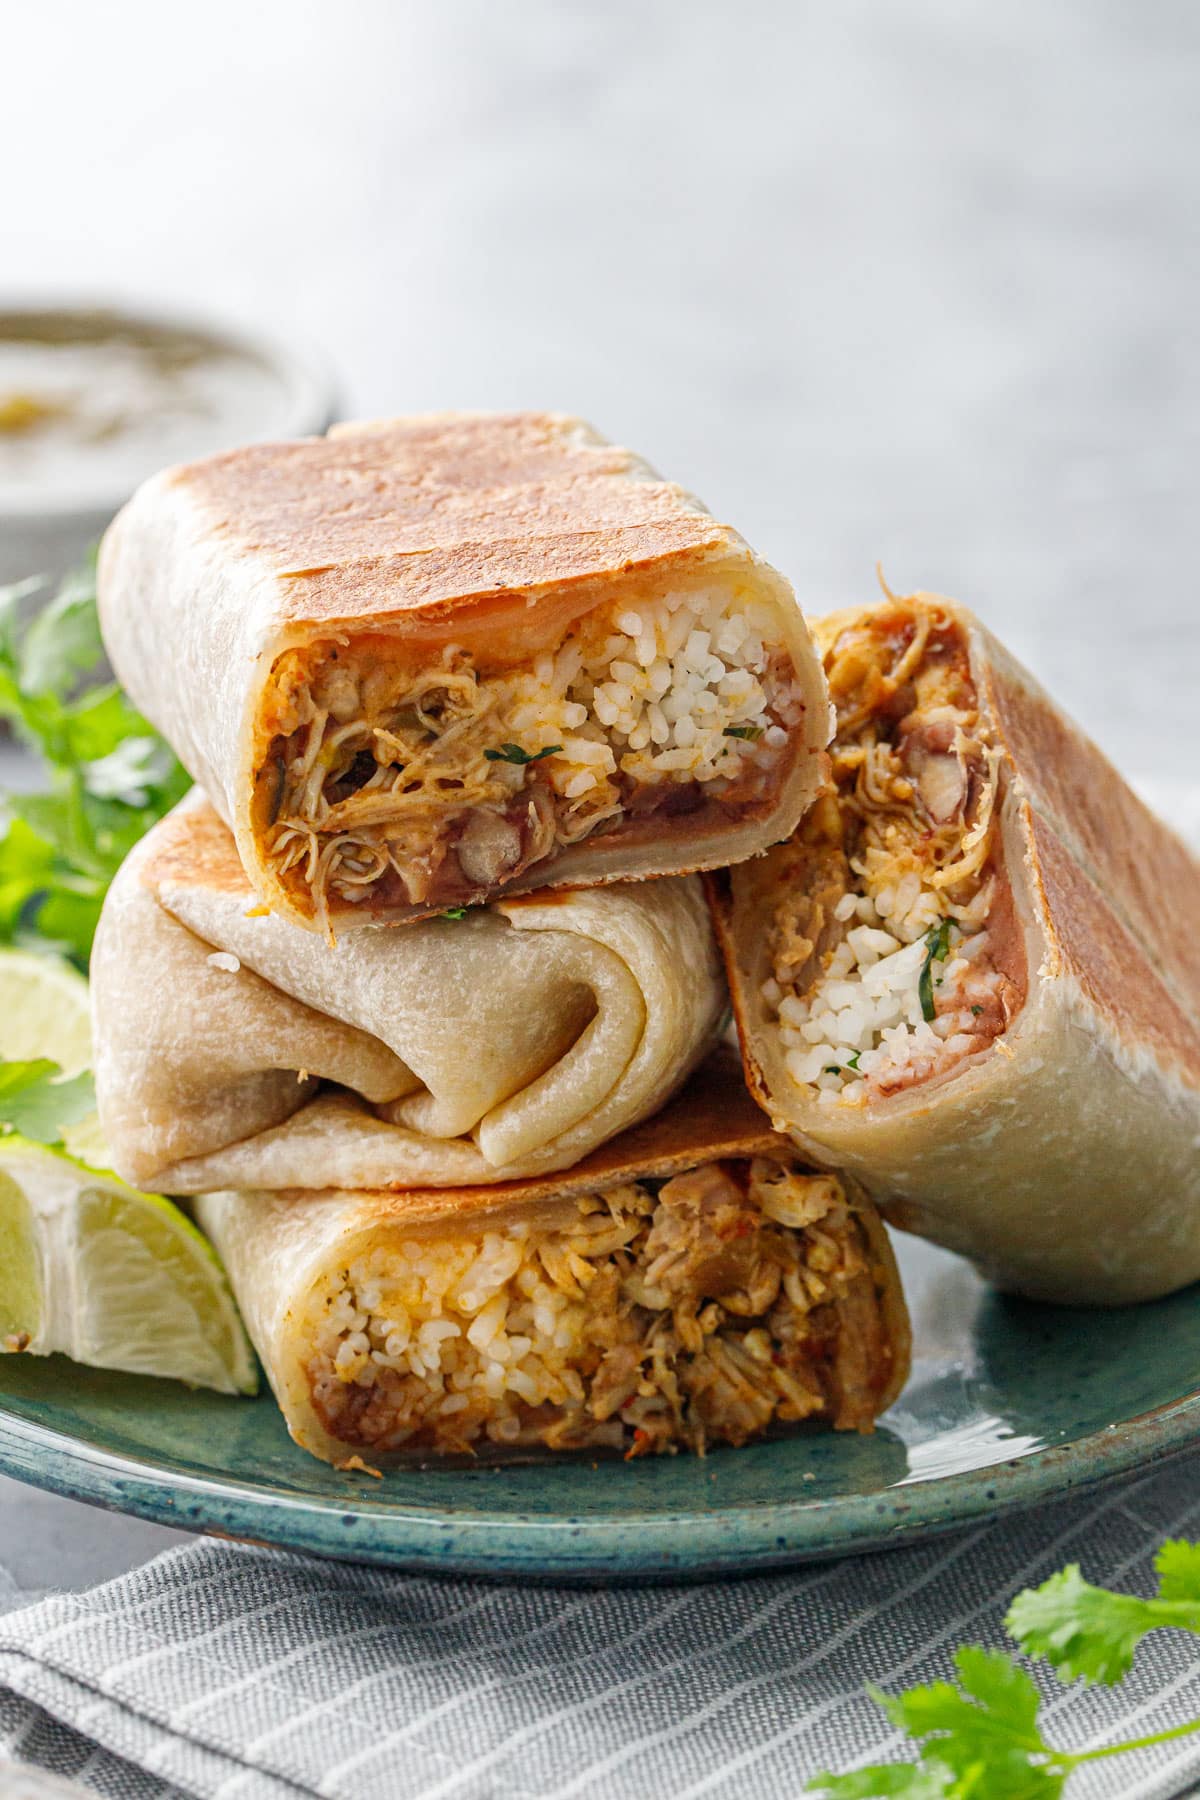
894 982
865 1019
657 697
675 689
449 1341
457 1321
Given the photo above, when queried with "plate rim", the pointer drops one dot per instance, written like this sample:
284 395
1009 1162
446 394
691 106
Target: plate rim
631 1547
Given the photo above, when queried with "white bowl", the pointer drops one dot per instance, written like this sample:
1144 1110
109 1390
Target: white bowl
46 526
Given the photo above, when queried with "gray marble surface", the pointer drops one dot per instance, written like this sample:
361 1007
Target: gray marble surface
913 282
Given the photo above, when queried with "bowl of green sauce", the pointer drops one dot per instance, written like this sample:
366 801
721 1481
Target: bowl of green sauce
95 398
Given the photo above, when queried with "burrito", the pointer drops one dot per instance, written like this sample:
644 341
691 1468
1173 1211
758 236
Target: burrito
232 1049
972 976
690 1283
421 662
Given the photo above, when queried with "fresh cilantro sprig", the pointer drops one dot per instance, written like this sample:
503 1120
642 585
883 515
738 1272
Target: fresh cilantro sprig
106 776
35 1102
981 1737
1087 1632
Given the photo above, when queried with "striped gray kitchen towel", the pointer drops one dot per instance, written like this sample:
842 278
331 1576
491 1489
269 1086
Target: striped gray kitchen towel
235 1673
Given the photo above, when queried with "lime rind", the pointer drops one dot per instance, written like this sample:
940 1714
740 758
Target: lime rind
45 1010
20 1289
92 1267
97 1238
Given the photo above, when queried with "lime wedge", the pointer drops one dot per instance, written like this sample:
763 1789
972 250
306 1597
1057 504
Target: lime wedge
89 1266
112 1277
44 1011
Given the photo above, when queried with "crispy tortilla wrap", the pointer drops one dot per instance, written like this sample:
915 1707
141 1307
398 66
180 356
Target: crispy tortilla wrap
973 975
690 1283
230 1047
425 661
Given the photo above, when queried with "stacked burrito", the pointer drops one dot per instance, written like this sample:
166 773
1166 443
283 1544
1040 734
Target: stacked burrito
512 768
972 974
419 994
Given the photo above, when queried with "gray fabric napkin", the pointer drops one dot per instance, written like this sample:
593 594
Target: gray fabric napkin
233 1672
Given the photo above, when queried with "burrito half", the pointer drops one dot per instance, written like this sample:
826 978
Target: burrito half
973 974
420 662
690 1283
232 1048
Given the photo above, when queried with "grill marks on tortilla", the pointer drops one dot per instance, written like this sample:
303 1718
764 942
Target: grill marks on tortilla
652 1316
435 780
894 950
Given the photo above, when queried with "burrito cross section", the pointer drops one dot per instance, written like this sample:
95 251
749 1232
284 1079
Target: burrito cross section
894 947
971 977
693 1283
652 1314
450 657
396 774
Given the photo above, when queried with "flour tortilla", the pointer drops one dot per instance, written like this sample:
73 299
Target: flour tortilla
471 527
1065 1162
277 1247
233 1049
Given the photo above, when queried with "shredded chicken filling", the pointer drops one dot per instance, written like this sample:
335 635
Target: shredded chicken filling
386 784
894 956
662 1315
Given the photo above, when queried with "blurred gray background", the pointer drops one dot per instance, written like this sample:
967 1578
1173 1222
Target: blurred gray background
898 280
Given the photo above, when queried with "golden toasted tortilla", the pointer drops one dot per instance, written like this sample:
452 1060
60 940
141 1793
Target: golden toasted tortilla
230 1047
691 1283
973 975
425 661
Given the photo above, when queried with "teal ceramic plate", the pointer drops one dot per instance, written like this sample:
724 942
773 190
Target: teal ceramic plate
1009 1404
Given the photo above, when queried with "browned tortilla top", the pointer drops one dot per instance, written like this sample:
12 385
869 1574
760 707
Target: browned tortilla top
1111 964
194 847
1145 873
394 515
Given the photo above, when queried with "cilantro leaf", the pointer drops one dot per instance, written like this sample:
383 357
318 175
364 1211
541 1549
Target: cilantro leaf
99 722
1178 1565
13 595
982 1736
37 1103
1004 1775
513 753
937 940
106 776
1088 1633
996 1702
749 734
130 772
26 860
1006 1692
63 640
912 1781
